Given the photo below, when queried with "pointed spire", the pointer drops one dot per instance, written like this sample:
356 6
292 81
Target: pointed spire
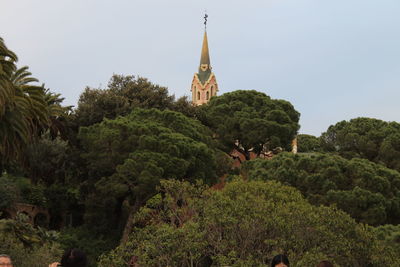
205 56
204 83
204 68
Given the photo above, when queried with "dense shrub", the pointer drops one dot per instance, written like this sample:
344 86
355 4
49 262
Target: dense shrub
28 246
308 143
245 224
369 192
368 138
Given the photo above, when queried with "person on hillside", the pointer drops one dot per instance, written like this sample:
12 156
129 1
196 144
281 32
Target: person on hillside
72 258
325 264
280 261
5 261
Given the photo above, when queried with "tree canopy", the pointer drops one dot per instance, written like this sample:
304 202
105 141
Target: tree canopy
250 120
308 143
23 110
372 139
244 224
8 192
122 95
26 109
133 162
8 67
28 246
390 235
127 157
369 192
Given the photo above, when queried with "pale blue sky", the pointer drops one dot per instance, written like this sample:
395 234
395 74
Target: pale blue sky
332 59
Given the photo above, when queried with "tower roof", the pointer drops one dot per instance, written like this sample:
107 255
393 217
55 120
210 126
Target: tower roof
204 68
205 56
204 85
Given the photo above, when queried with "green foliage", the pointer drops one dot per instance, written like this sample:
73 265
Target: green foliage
123 94
108 144
26 110
62 201
46 160
89 241
116 164
390 234
127 157
8 191
308 143
28 246
251 118
29 257
185 106
25 232
373 139
7 67
58 115
31 193
20 189
245 224
369 192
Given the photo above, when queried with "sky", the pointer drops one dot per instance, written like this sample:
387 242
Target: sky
333 60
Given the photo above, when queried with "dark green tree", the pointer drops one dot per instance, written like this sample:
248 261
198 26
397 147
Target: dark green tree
308 143
369 192
244 224
22 107
127 157
250 120
28 246
390 234
372 139
185 106
7 63
59 115
47 160
9 192
122 95
26 109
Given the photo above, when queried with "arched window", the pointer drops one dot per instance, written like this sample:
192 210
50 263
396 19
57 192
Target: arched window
207 95
198 95
212 89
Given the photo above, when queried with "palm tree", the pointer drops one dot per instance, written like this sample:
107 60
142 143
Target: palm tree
30 98
23 107
7 67
57 114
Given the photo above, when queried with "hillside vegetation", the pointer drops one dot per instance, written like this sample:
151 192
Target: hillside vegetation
133 173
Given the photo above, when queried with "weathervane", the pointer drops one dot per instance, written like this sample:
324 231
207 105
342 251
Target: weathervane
205 20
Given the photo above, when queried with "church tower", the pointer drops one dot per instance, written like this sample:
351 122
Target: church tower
204 83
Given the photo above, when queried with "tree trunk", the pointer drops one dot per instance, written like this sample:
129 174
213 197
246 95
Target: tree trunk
243 151
129 222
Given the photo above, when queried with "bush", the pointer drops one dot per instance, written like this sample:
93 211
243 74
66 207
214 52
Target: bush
8 191
390 234
245 224
88 241
369 192
28 246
